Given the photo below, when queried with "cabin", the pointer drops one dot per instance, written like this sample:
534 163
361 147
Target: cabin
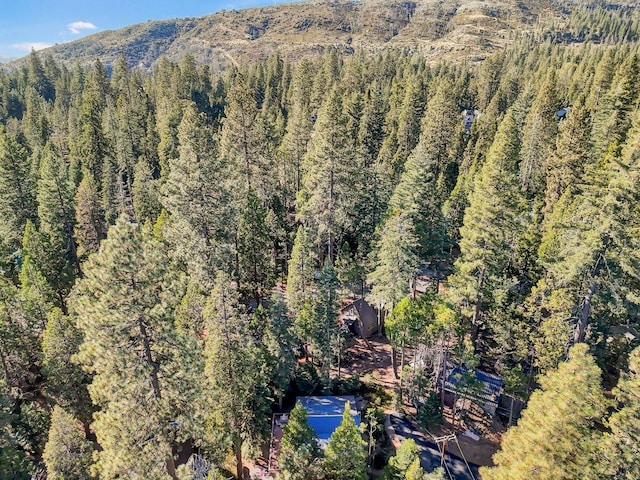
486 392
324 414
360 318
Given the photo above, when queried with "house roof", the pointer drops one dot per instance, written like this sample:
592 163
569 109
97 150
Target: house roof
490 385
324 414
365 312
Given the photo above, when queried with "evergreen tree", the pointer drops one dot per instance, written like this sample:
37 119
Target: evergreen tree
67 454
571 155
14 462
198 199
346 457
538 137
556 435
395 261
326 337
430 171
56 216
17 194
299 449
66 382
243 142
399 465
235 371
280 343
124 311
324 202
89 224
492 229
621 451
301 271
256 271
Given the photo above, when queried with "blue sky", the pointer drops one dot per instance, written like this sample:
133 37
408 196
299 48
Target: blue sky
41 23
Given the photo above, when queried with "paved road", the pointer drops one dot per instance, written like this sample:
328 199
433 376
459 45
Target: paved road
429 453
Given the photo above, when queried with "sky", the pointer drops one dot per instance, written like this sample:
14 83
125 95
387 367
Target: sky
37 24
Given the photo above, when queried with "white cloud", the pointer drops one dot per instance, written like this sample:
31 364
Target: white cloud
75 27
27 46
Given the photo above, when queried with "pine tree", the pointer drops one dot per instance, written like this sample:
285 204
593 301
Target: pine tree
67 454
17 193
299 449
620 450
280 343
571 155
324 202
89 225
589 249
556 437
256 271
400 464
325 335
538 137
301 271
56 213
197 197
123 308
90 146
243 142
492 229
395 261
14 462
612 118
146 197
66 382
346 457
235 372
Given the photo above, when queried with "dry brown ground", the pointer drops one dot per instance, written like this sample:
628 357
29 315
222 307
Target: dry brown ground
372 359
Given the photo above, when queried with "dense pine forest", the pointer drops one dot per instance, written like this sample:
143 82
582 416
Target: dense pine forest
175 244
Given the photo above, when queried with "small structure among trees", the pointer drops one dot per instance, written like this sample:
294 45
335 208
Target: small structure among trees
360 318
481 387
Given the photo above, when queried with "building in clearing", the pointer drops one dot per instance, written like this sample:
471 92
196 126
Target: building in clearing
360 318
324 414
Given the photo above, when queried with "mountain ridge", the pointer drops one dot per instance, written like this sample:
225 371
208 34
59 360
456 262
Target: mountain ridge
437 28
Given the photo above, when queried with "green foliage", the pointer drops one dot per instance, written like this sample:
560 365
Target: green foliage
527 224
14 463
237 394
130 344
345 456
67 454
66 382
430 412
565 409
399 465
620 452
299 448
395 261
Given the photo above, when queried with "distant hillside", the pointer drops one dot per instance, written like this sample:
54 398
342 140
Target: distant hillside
438 28
6 59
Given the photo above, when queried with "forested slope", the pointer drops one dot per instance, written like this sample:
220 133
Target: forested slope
145 219
438 29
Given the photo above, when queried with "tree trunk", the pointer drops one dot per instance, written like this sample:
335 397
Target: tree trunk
393 362
477 311
170 465
585 312
401 372
237 449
